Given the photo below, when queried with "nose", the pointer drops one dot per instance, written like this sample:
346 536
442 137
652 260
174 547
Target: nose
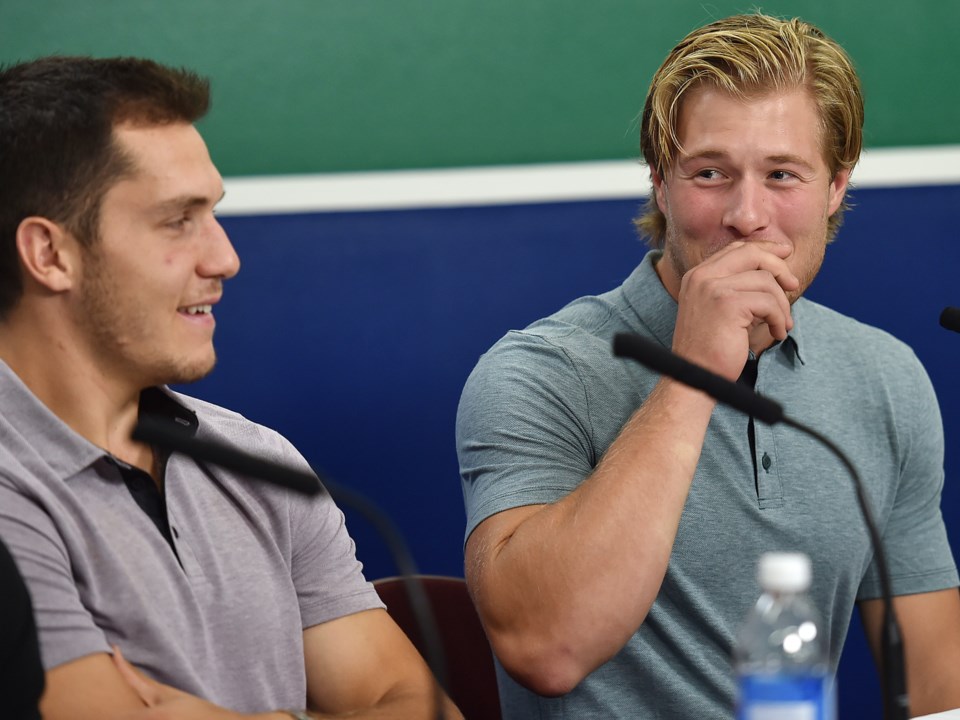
220 260
747 210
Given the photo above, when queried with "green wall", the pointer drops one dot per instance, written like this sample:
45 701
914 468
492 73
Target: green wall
304 86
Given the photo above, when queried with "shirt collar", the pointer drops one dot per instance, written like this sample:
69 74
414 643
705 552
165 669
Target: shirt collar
160 402
28 424
654 307
799 310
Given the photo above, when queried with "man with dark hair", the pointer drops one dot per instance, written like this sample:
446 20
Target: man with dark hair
614 517
227 596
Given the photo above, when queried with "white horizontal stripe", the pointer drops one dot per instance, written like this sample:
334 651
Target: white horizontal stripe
456 187
523 184
906 167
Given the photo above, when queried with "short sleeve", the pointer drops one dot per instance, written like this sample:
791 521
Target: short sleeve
914 536
523 430
326 573
66 629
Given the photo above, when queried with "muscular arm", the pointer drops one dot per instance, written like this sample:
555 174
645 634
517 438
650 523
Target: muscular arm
89 688
562 587
930 623
96 687
364 665
360 666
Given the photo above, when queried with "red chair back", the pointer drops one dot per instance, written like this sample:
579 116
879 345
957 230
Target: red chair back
470 670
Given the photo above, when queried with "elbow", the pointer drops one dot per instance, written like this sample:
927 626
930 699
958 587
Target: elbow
550 681
547 668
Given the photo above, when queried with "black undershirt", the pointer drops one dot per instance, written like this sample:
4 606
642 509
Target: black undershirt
148 496
145 491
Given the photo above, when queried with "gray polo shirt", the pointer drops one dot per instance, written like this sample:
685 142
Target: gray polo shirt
220 613
543 405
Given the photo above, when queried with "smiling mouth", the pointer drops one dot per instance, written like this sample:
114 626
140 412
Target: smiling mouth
196 309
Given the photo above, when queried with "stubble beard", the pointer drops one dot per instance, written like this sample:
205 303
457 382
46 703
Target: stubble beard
118 330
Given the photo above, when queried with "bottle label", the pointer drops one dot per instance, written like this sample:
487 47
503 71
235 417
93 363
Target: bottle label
786 697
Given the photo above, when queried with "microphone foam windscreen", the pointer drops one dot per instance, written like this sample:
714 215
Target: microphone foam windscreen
950 319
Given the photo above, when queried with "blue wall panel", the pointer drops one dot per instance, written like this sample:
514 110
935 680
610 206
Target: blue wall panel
352 333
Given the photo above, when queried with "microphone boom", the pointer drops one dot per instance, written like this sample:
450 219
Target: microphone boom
154 431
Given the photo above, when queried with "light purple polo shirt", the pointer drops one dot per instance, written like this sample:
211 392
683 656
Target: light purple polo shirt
257 565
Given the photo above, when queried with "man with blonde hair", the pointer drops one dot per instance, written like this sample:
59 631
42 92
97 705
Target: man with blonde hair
615 518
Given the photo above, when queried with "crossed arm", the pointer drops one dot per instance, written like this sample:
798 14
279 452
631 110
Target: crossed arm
360 665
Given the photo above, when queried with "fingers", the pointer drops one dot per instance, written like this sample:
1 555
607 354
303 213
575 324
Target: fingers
762 307
751 296
150 691
739 257
734 301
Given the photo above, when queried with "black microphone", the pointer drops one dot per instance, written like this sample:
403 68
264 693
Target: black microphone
658 358
661 360
167 436
950 319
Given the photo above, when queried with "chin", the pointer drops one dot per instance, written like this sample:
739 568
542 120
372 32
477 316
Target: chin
183 373
194 376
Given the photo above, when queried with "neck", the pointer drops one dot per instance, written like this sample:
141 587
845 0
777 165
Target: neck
50 362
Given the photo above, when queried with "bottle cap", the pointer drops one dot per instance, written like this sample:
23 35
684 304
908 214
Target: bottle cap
784 572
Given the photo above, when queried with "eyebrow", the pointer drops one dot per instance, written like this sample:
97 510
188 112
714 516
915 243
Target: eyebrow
790 160
784 159
183 202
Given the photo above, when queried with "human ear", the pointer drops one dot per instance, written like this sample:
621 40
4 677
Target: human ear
659 189
47 253
838 189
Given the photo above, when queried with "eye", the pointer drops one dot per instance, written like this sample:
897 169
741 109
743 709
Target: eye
782 175
178 224
708 177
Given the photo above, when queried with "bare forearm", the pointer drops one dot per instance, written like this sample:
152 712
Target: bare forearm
575 579
930 625
400 706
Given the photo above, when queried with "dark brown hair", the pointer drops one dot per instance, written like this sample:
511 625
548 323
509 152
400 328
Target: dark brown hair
58 157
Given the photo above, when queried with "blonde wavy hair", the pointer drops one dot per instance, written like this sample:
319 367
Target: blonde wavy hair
746 56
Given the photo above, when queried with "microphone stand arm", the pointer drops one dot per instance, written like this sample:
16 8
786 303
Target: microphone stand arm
663 361
896 700
163 435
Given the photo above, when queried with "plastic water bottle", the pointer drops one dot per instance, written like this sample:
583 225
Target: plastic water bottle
781 656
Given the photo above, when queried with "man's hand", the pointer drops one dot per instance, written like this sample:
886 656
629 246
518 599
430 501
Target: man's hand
734 301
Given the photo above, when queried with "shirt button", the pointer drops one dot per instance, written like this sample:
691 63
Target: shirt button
766 462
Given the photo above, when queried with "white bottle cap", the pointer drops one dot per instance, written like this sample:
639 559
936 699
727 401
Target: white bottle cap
784 572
